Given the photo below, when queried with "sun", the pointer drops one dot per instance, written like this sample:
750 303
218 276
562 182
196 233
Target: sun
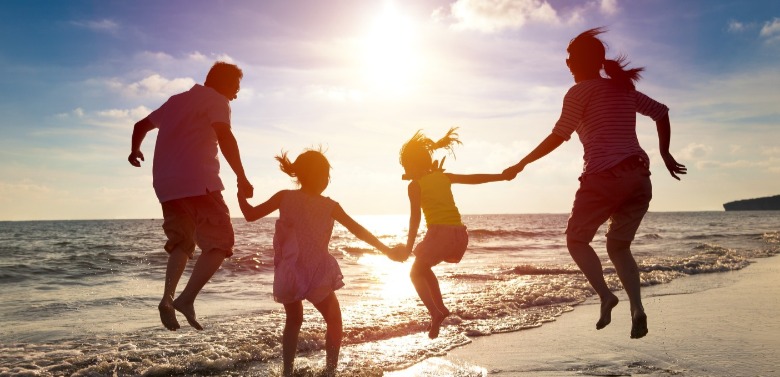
391 55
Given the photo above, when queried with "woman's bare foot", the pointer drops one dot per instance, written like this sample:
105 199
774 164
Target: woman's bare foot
606 311
168 315
188 309
436 321
638 324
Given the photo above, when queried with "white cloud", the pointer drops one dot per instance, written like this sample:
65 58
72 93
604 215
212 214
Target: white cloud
736 26
695 151
771 29
104 25
154 86
609 7
495 15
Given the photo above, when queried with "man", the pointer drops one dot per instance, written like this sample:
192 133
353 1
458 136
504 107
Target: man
186 180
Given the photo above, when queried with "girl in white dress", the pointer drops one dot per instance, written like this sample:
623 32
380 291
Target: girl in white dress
303 267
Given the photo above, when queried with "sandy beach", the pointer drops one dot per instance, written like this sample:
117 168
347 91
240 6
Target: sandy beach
723 324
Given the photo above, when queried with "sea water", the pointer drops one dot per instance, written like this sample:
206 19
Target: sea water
79 298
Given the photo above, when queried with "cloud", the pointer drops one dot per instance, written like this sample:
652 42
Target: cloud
494 15
736 26
104 25
153 85
609 7
695 151
771 30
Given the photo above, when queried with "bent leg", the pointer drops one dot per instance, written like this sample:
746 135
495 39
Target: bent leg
331 312
208 263
620 253
427 286
292 327
590 265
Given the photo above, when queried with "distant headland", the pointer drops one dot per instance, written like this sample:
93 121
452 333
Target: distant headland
769 203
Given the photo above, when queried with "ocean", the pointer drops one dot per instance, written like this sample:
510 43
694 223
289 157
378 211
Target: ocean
79 298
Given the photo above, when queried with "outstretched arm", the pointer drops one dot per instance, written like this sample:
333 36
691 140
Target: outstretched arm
664 137
549 144
476 179
359 231
229 147
139 133
253 213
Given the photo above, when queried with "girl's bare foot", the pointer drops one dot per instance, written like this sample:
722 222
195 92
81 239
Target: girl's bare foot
188 309
168 315
436 321
606 311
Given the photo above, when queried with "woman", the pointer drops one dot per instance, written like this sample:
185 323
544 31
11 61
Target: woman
615 181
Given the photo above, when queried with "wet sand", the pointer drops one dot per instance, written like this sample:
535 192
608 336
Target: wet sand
723 324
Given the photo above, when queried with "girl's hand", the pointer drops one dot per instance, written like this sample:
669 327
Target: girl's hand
398 253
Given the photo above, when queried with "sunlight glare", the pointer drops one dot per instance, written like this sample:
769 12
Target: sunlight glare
393 277
391 56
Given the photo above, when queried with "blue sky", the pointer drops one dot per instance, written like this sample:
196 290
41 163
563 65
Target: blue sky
359 77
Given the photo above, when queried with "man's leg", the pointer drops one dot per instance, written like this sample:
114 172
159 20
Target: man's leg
208 263
177 261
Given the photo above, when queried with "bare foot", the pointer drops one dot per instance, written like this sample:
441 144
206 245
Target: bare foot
606 312
168 316
436 321
638 324
188 309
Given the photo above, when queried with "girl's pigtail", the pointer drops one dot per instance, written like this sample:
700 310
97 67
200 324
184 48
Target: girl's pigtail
286 165
616 70
447 142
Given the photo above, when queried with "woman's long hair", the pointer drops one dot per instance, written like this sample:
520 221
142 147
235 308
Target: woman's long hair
587 51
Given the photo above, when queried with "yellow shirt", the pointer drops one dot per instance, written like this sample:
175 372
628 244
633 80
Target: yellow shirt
436 200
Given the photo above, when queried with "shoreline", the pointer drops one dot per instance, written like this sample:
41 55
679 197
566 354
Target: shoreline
720 324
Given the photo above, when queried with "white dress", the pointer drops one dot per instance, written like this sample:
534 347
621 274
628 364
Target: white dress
303 266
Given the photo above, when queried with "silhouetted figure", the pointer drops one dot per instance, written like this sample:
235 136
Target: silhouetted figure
303 267
446 238
615 182
186 180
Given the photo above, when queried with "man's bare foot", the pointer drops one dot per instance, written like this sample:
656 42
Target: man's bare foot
638 324
168 316
188 309
606 311
436 321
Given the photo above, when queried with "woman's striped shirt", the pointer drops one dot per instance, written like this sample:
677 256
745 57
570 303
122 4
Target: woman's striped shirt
604 116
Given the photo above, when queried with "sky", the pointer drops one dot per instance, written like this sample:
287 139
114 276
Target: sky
359 77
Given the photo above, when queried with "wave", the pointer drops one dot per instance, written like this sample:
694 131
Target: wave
500 233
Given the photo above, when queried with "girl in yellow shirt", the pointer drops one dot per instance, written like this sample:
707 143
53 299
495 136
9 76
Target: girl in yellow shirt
446 238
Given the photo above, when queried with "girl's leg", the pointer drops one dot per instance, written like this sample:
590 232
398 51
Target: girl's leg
590 264
628 272
427 287
331 312
292 326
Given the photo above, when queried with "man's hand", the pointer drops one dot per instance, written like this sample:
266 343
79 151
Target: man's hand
245 188
134 157
511 172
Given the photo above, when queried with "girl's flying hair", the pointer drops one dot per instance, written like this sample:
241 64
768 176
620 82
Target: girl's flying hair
418 151
588 51
310 167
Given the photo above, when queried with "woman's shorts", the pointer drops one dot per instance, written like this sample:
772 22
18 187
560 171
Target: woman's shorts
442 243
620 194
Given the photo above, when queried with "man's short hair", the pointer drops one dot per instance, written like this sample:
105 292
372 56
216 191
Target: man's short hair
221 73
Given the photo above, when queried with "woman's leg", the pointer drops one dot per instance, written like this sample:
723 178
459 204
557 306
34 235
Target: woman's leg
331 312
620 253
590 265
292 326
427 287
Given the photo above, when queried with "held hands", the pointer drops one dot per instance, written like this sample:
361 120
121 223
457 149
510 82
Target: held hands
511 172
673 166
398 253
245 189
